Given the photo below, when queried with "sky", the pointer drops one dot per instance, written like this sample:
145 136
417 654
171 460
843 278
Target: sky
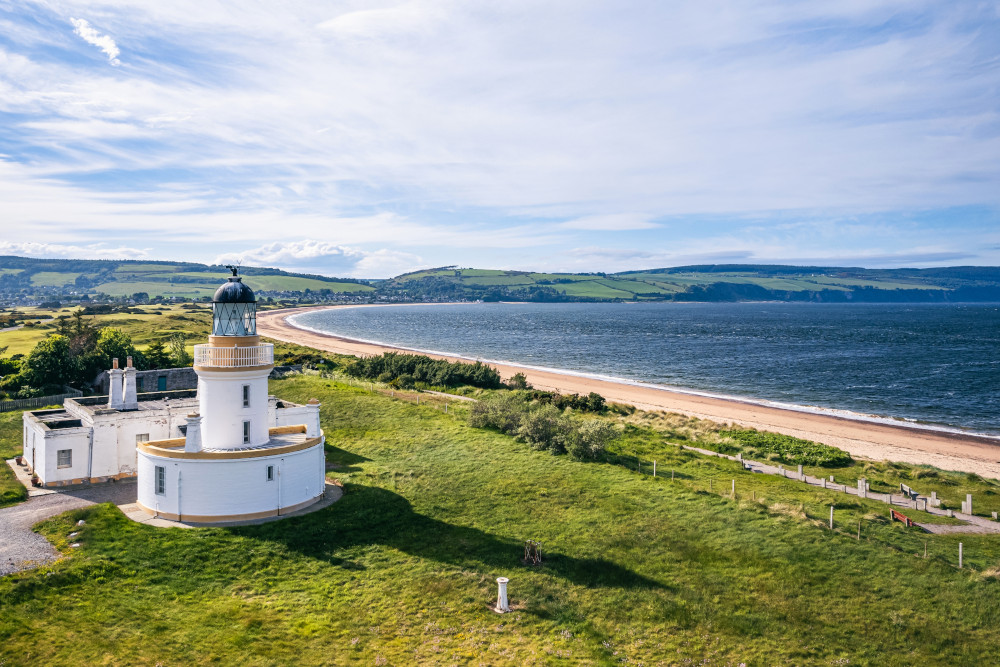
367 139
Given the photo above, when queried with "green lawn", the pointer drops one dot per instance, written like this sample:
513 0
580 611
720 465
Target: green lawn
11 491
402 569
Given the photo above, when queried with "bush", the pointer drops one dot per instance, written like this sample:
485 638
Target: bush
787 449
544 427
433 372
588 440
503 411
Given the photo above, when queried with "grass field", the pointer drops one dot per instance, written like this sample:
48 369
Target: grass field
157 323
11 491
53 278
401 571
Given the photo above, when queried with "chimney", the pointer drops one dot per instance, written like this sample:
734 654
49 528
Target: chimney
312 426
129 398
115 387
192 437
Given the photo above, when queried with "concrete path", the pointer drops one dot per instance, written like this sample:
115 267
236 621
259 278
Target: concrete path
23 549
972 524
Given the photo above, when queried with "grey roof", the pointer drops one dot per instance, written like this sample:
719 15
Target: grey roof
234 291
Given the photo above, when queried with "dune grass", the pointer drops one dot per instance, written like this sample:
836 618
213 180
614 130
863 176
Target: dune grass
402 569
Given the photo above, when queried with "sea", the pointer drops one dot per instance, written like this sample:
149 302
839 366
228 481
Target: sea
932 365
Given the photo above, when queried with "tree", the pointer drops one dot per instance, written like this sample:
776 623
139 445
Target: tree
50 362
116 344
157 355
178 351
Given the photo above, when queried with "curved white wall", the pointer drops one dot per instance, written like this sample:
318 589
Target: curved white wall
230 489
220 401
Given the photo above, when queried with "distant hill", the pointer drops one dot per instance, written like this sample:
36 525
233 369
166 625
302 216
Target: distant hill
718 282
24 277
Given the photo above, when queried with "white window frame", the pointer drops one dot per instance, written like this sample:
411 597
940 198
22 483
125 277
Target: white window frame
246 431
141 437
66 454
269 475
160 480
246 396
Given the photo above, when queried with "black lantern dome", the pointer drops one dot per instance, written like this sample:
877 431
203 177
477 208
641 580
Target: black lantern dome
234 308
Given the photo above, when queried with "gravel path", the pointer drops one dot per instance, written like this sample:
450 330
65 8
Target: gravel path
22 549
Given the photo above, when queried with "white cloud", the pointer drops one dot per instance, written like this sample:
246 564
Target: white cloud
57 250
500 131
616 222
329 259
83 28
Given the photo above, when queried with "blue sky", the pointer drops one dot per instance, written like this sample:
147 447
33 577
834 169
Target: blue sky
367 139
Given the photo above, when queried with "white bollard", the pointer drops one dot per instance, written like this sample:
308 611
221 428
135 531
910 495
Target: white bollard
968 503
654 468
502 606
831 517
959 555
734 489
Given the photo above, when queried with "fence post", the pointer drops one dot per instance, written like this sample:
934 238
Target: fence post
831 517
959 555
654 467
734 489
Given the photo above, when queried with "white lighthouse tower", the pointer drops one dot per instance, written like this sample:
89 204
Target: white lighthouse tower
235 462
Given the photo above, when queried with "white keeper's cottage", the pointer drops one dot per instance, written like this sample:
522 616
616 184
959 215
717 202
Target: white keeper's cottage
226 452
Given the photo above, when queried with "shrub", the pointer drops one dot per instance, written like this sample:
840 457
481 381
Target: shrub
588 440
433 372
503 411
787 449
544 427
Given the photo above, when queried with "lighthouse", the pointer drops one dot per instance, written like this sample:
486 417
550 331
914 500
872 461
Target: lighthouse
240 457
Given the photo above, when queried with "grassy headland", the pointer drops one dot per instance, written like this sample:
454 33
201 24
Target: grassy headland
402 569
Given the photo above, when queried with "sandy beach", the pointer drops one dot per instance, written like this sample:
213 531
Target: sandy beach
861 438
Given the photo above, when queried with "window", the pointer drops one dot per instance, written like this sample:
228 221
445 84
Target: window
161 383
246 396
141 437
64 458
246 432
270 473
160 480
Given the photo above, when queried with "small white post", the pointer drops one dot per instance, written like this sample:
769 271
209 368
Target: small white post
831 517
734 489
968 503
959 555
654 469
502 606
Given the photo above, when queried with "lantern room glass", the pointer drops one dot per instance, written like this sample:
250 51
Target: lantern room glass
234 319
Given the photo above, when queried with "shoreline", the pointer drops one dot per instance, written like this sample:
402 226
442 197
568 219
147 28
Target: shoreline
869 439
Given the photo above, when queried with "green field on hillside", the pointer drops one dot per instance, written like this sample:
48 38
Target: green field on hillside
53 278
402 570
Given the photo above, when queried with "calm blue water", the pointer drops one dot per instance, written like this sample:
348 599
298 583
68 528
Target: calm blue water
933 363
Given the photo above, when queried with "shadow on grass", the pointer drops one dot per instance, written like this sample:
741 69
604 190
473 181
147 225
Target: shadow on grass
372 515
342 460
